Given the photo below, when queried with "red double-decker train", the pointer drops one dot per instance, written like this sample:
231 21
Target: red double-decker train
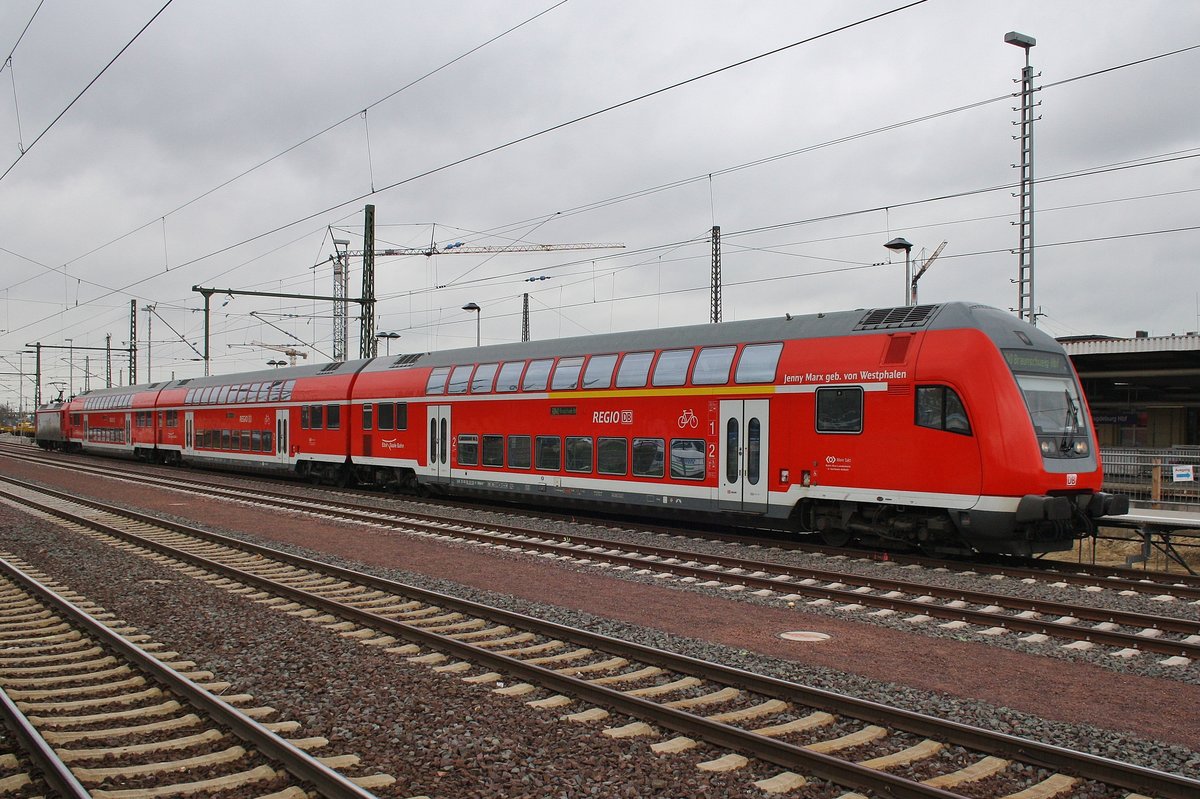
949 428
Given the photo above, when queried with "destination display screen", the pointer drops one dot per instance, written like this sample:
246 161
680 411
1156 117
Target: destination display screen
1051 363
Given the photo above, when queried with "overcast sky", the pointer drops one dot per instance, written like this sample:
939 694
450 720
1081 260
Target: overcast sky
226 147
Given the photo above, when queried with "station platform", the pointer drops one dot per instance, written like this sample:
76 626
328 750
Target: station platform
1161 529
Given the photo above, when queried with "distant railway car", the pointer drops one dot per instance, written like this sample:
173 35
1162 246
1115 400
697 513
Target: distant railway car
50 420
950 428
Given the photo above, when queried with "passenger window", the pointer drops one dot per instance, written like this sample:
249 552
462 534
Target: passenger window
940 408
537 375
687 458
460 378
566 374
385 416
549 453
758 363
712 366
482 382
316 418
510 376
579 454
648 457
612 456
437 380
493 450
468 450
634 368
599 371
368 416
672 367
333 417
519 452
401 415
303 417
839 410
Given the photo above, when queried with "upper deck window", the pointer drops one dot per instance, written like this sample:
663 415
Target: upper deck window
758 363
509 378
712 366
437 380
484 375
460 378
672 366
599 371
537 375
566 374
635 366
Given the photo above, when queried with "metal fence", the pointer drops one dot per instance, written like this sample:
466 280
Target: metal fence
1170 477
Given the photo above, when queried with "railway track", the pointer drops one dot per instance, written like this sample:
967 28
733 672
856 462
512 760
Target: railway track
1122 634
102 712
587 678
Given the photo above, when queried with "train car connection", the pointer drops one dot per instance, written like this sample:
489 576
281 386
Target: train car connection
951 428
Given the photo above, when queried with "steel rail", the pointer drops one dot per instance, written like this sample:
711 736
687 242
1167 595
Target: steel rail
301 765
849 597
50 766
1164 784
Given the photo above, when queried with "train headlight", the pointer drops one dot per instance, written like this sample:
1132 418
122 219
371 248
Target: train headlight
1047 447
1080 448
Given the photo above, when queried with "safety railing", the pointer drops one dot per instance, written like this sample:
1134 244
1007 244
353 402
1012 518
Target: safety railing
1169 477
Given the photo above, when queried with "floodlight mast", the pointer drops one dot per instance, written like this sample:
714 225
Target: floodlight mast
1026 309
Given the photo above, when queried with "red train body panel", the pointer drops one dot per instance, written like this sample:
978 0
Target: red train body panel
949 427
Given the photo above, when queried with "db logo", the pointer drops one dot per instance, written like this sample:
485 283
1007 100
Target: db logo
1072 479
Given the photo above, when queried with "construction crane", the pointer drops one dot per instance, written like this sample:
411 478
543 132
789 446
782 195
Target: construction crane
341 271
291 352
928 262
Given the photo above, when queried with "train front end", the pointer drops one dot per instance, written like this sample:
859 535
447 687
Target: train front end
1043 476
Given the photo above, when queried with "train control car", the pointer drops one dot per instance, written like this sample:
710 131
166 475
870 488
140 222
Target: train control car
945 427
50 426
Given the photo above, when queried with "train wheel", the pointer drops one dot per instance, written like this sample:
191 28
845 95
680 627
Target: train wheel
835 536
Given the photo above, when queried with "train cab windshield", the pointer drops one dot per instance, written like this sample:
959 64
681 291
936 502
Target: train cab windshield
1055 406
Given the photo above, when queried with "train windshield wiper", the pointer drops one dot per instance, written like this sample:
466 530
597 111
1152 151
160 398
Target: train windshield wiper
1071 423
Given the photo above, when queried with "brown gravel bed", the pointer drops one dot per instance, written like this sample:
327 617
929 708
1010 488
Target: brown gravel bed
945 677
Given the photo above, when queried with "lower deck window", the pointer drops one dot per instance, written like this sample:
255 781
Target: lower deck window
579 454
493 450
549 453
612 456
648 457
687 458
840 410
468 450
519 452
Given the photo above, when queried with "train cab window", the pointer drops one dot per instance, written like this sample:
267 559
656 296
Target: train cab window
940 408
758 363
493 450
839 410
549 453
484 377
635 367
612 456
509 378
437 380
333 417
368 416
468 450
460 378
687 458
579 454
648 457
566 374
599 371
672 367
712 366
537 375
519 452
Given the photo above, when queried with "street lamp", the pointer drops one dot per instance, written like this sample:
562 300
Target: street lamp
387 337
470 306
276 364
904 244
1026 306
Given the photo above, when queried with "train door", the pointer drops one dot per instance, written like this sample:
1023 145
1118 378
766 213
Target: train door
128 430
439 443
189 431
281 435
743 455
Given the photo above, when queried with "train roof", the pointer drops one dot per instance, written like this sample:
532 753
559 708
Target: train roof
999 325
